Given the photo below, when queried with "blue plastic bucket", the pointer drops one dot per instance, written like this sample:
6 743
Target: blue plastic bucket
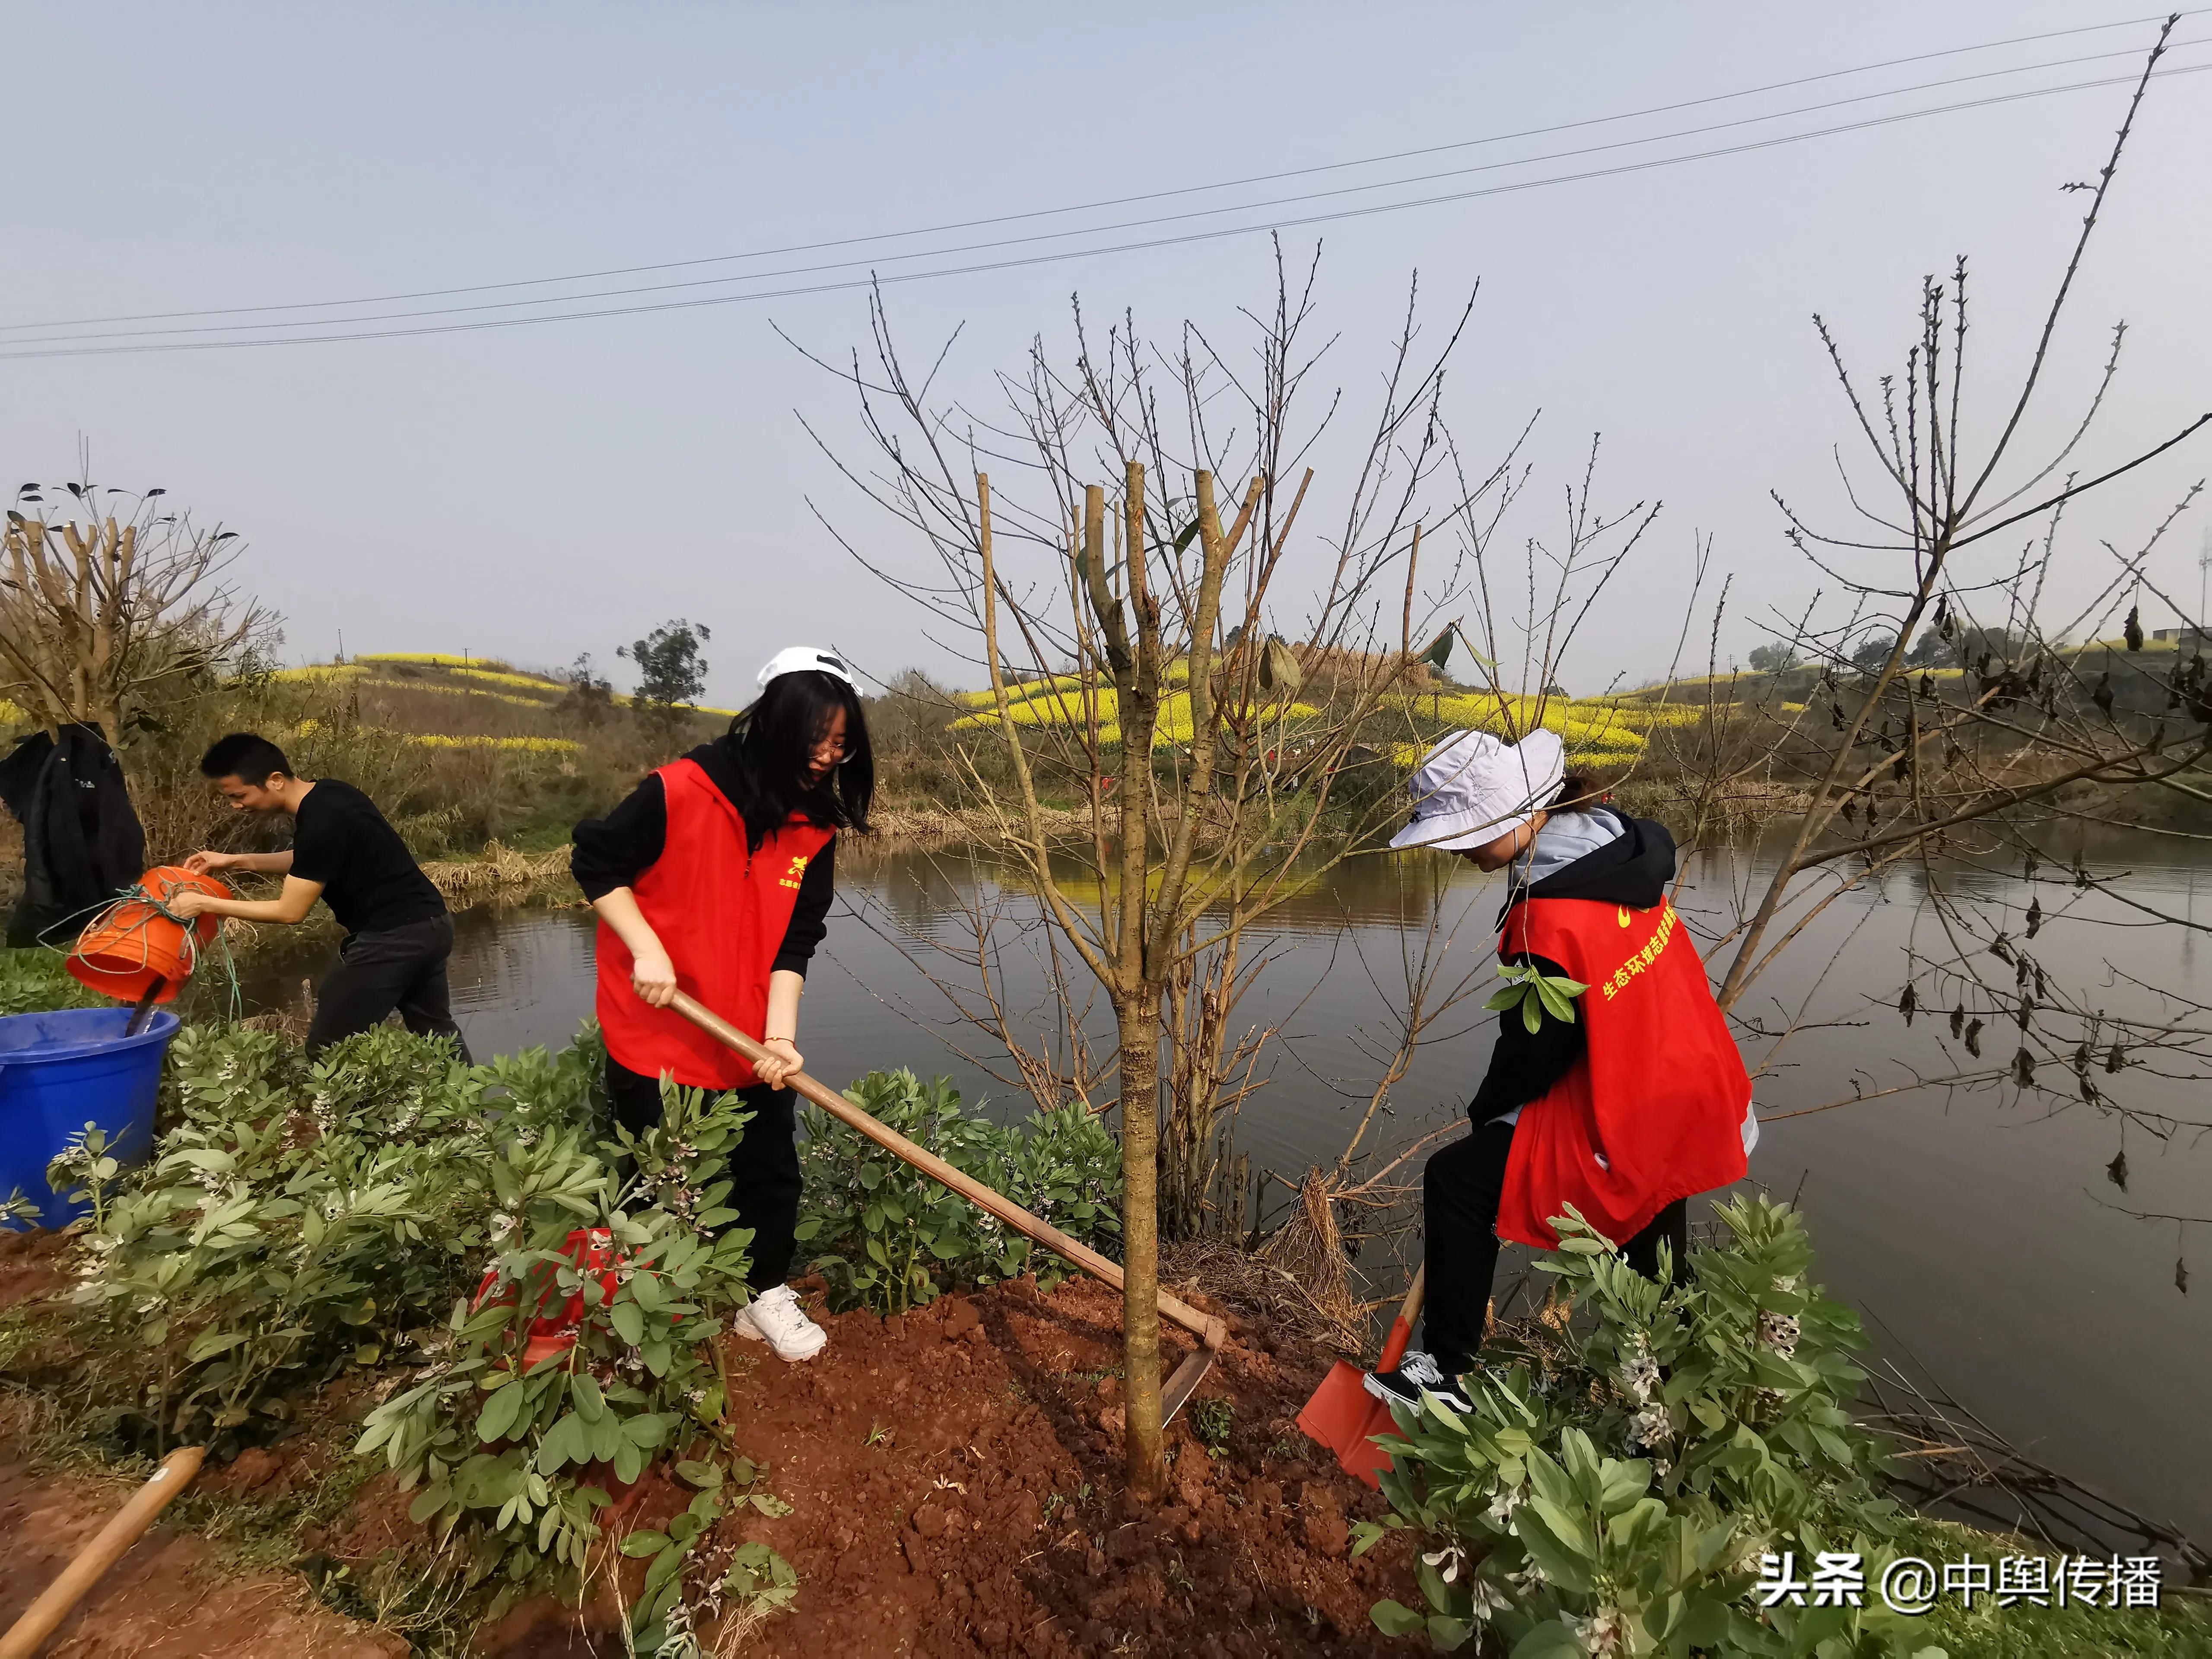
62 1070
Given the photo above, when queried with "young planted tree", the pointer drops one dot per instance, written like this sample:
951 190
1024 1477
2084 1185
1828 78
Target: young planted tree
112 606
1180 752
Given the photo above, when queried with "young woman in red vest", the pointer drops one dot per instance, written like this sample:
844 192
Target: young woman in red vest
714 877
1625 1109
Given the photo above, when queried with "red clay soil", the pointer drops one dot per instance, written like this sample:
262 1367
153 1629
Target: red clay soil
159 1601
32 1265
954 1482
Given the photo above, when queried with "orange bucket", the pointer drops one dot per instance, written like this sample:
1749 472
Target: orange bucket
130 943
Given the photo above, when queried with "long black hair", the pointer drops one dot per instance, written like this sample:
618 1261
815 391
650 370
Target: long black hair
772 742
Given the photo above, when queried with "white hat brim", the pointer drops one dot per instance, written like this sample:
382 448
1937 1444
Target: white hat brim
1455 833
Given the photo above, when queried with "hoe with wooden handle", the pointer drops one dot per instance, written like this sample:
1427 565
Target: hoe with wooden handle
1210 1331
45 1615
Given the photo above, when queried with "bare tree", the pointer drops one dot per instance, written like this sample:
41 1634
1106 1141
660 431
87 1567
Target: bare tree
1937 711
1136 650
112 606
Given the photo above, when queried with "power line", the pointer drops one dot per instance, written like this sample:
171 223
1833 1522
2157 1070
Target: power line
1167 194
1184 239
1091 230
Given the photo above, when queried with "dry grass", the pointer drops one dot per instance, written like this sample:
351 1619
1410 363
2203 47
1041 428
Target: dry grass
935 824
1254 1289
1309 1250
501 872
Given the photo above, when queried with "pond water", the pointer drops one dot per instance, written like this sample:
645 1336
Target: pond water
1980 1238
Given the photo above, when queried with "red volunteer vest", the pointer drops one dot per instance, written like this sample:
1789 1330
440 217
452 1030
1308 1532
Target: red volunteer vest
721 914
1660 1089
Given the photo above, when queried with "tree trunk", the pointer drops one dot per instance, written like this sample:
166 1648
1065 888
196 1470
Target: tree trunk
1139 1019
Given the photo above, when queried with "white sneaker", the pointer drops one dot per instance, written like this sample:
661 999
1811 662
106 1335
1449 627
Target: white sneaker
775 1317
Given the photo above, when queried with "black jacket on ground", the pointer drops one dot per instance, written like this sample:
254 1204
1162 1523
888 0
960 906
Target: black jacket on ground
1632 869
614 851
81 841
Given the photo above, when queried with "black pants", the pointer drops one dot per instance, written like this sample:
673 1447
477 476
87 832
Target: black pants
401 968
1460 1190
763 1171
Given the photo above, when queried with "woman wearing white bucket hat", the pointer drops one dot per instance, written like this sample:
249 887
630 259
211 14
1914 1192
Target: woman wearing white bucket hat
714 877
1613 1087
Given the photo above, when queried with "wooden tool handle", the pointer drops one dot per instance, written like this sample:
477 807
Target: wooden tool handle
1402 1327
55 1602
1209 1329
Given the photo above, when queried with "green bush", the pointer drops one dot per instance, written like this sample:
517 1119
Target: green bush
297 1218
387 1208
514 1452
888 1238
32 981
1615 1495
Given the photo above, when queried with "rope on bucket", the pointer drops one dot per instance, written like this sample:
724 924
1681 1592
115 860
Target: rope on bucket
102 914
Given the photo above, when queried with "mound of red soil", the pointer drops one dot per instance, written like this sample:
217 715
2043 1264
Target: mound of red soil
955 1483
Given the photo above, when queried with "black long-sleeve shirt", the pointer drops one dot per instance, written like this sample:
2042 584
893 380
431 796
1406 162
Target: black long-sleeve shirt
614 851
1634 869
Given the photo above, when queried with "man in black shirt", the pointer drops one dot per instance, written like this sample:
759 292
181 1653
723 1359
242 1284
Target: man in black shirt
398 934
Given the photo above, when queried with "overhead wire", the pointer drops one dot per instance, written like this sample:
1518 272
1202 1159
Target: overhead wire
149 340
1092 230
1121 201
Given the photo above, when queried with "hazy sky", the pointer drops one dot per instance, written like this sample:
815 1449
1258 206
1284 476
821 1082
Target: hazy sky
534 492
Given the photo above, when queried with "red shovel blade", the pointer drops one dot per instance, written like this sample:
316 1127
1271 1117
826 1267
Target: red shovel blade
1343 1416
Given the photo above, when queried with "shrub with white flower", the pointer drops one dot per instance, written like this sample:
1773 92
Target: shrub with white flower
1549 1515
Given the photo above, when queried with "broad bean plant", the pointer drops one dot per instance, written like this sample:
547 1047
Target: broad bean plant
888 1238
296 1217
525 1421
1613 1494
534 1291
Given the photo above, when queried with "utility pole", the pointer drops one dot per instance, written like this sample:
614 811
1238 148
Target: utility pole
2203 579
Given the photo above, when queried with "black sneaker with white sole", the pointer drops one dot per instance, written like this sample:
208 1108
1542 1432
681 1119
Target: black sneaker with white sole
1418 1373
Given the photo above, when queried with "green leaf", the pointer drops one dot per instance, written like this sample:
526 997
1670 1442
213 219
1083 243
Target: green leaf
1393 1619
1553 1556
705 1476
1550 1640
209 1343
496 1419
629 1462
562 1444
643 1542
432 1498
606 1437
629 1321
584 1387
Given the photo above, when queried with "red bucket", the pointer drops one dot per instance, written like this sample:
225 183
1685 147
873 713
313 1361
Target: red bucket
131 944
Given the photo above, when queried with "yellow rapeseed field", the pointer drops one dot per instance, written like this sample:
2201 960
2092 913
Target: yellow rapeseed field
1064 704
